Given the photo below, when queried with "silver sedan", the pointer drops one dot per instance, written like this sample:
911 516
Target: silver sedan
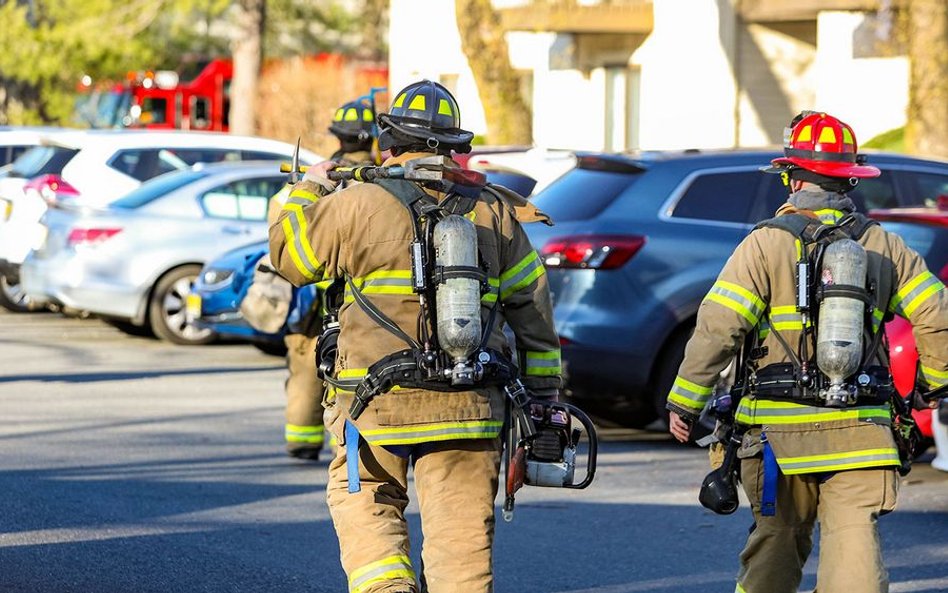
133 262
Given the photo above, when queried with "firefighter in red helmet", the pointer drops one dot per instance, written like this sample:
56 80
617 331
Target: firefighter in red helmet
818 431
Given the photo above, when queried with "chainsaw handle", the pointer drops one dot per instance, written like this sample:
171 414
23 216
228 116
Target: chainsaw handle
593 453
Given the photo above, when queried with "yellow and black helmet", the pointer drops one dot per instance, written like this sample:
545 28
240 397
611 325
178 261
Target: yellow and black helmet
424 116
353 122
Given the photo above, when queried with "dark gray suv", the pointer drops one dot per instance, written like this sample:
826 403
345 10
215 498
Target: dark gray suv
638 241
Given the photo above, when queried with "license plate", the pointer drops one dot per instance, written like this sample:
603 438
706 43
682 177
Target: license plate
193 306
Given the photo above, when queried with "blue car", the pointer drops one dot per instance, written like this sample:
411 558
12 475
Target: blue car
223 283
638 241
218 291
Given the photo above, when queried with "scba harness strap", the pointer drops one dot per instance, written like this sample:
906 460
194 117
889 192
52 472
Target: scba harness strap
420 366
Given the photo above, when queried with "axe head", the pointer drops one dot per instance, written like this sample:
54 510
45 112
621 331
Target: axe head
442 168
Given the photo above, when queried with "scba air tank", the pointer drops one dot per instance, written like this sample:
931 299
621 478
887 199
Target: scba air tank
840 328
458 298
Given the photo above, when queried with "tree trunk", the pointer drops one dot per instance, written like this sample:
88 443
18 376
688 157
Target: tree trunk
482 38
247 48
374 25
927 129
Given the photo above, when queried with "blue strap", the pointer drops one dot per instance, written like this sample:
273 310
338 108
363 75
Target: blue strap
352 457
768 499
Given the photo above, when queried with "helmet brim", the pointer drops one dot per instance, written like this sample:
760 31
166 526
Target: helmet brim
827 168
448 137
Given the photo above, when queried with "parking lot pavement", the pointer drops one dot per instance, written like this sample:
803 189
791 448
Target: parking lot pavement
132 465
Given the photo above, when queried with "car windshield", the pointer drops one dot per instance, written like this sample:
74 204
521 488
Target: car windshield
42 160
157 187
581 194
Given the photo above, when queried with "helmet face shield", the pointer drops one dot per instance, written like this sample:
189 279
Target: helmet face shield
424 113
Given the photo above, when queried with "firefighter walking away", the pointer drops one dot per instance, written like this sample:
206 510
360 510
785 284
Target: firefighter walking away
817 431
435 264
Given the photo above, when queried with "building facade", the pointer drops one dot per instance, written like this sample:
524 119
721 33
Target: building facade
671 74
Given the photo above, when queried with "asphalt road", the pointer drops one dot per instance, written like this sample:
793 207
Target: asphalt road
129 465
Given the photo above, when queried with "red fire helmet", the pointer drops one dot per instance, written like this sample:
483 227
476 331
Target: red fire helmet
824 145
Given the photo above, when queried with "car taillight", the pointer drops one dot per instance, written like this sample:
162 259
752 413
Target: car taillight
598 252
51 188
89 237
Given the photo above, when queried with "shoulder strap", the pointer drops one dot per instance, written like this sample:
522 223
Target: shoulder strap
858 224
797 225
408 193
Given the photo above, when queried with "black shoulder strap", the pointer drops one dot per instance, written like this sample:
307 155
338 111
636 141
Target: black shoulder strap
797 225
859 224
408 193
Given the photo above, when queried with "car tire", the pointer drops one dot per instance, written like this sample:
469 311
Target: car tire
271 348
13 298
166 308
672 355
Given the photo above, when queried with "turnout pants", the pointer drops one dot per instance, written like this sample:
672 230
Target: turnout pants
847 505
304 395
456 482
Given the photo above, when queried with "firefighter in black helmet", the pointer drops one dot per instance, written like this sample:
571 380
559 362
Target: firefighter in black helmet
451 438
353 124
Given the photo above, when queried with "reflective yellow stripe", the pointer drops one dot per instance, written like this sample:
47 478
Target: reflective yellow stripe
738 299
490 297
914 293
304 194
351 373
839 461
786 318
543 363
383 282
417 103
426 433
762 411
303 434
739 589
392 567
934 377
828 215
689 395
521 275
444 108
292 246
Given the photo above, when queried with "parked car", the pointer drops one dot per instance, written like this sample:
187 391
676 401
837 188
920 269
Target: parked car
223 283
638 241
15 140
926 231
135 260
93 168
219 289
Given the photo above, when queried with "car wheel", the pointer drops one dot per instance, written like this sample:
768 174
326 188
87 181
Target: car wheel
672 355
167 308
13 298
271 348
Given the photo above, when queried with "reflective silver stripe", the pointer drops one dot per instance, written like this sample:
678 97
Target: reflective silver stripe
531 270
440 432
298 239
921 293
299 201
748 305
842 461
394 567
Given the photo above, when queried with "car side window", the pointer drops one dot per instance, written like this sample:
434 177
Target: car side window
874 192
924 189
140 164
241 200
256 155
720 197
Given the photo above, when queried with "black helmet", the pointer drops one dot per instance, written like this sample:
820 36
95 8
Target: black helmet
425 116
353 122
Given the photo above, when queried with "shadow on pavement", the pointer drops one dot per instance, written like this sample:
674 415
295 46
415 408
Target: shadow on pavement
234 524
96 376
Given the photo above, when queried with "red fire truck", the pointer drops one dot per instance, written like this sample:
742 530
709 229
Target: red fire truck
159 100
